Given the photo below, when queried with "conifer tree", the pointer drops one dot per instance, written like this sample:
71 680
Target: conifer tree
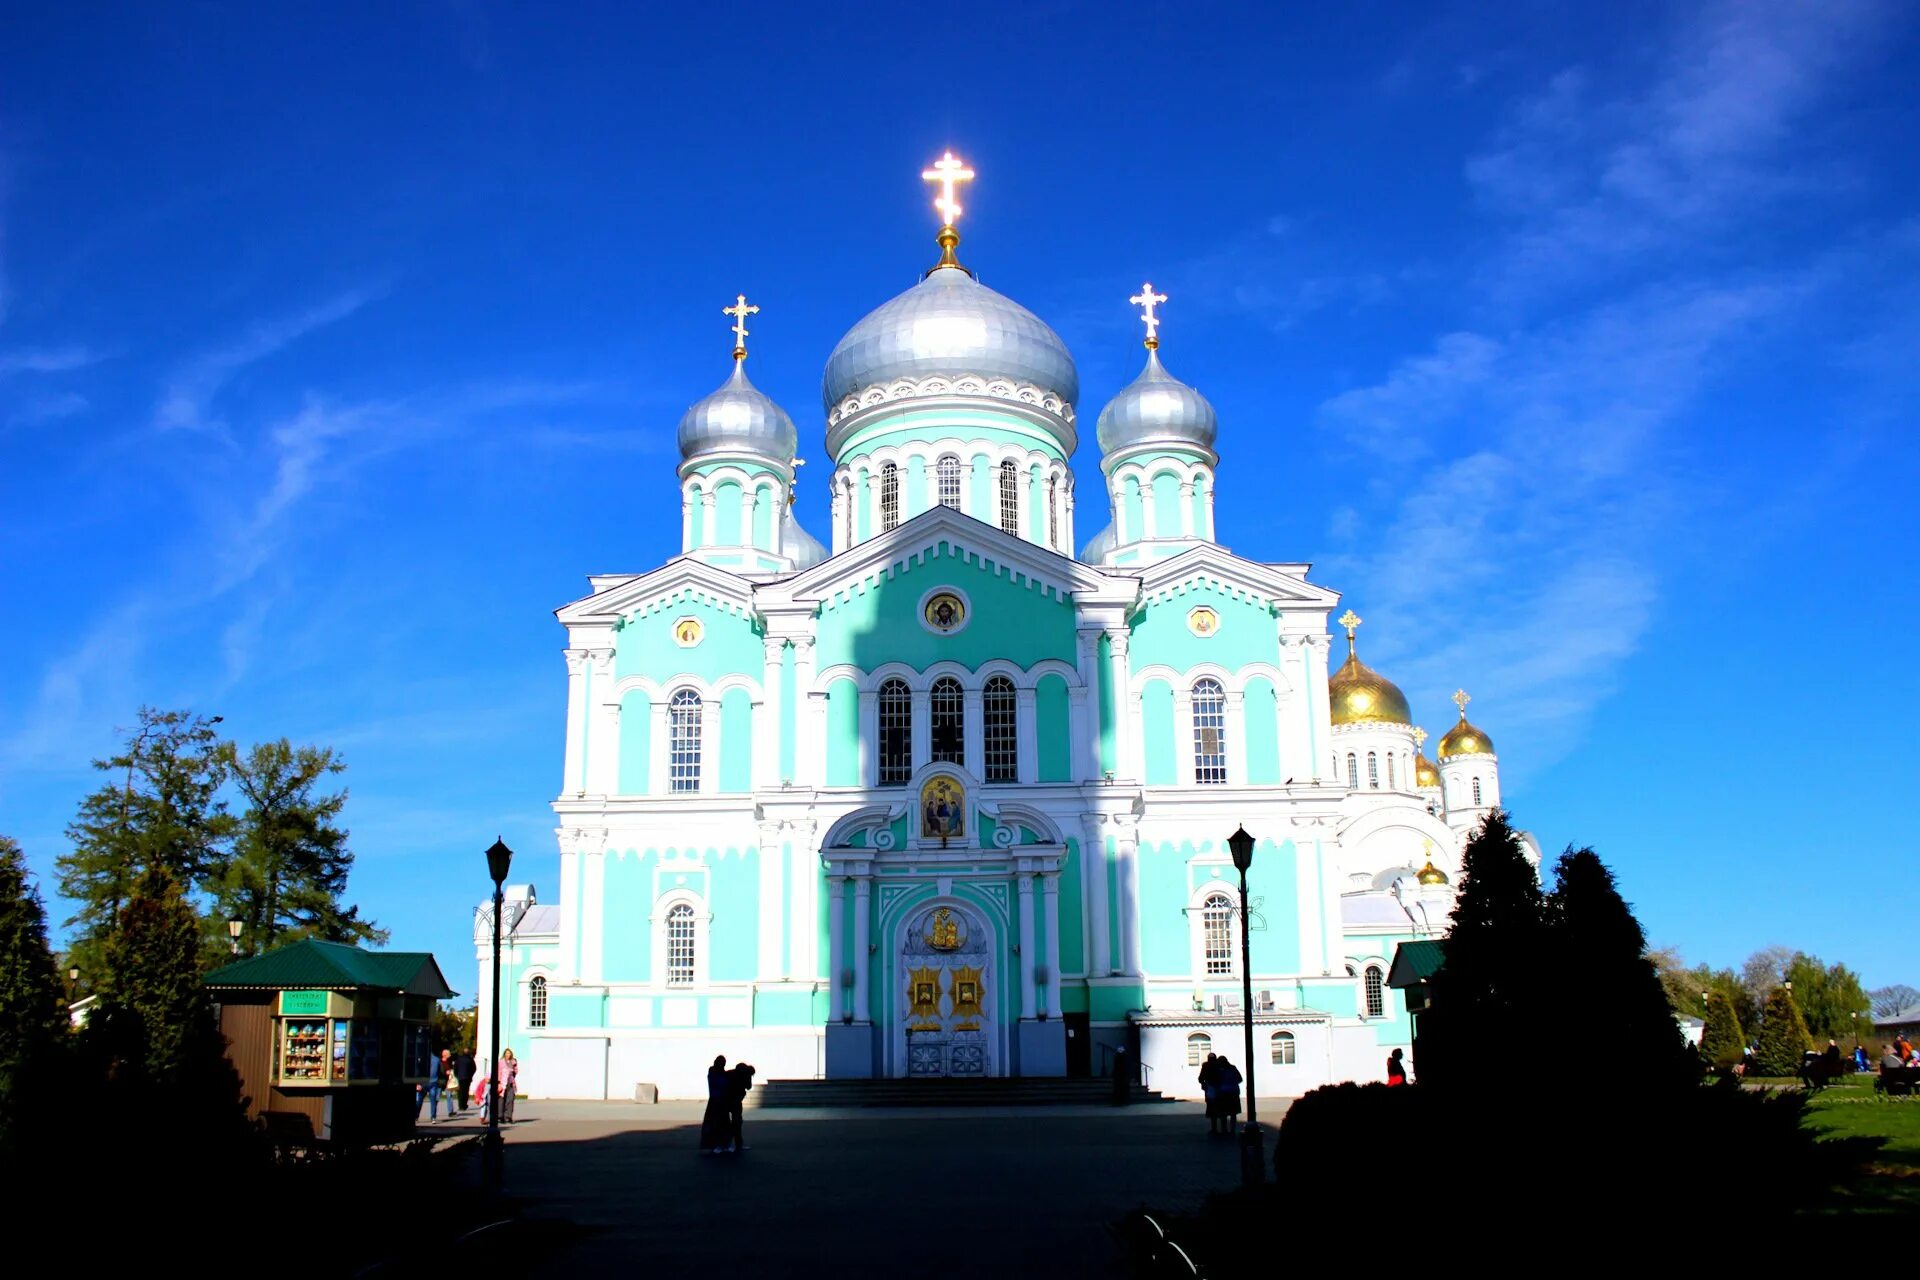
1600 950
290 860
159 809
1782 1041
1493 989
32 1022
1721 1042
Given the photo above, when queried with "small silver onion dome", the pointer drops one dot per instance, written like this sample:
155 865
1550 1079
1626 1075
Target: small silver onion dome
801 547
1097 548
738 418
949 324
1156 408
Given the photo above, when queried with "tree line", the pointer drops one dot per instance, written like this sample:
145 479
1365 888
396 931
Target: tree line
249 834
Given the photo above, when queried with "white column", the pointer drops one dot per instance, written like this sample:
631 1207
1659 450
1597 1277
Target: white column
862 961
772 924
711 534
837 513
973 733
710 745
1291 707
603 728
657 749
1026 734
803 958
1086 702
1236 739
686 519
810 712
1123 731
574 781
1027 940
836 944
1186 509
766 733
1319 728
1093 864
593 904
1050 889
868 751
1127 867
1080 761
1067 523
1183 736
922 750
749 498
1209 491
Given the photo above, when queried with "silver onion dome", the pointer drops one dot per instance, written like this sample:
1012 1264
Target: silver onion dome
738 418
949 324
801 547
1156 408
1095 552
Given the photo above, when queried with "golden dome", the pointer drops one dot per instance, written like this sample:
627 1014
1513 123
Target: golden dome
1431 874
1425 772
1465 739
1359 694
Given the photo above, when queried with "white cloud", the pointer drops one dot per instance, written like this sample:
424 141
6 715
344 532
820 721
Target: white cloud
190 392
47 360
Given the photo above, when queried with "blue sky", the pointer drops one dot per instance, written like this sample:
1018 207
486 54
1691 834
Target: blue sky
1577 348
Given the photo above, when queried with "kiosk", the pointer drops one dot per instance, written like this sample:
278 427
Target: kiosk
330 1041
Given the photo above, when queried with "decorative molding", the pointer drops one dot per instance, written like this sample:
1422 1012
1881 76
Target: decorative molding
941 385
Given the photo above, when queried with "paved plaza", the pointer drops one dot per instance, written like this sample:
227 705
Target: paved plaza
989 1191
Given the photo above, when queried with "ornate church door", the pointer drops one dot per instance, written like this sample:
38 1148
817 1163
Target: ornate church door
949 1015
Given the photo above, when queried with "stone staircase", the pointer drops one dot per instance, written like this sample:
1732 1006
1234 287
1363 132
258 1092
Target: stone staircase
994 1091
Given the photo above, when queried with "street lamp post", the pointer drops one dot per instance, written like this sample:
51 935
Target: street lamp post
233 935
492 1151
1252 1157
73 985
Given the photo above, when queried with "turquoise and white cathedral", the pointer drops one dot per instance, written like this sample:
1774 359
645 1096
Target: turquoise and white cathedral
940 797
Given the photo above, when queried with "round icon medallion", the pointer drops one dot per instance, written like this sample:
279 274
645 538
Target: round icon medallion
687 632
944 612
1203 622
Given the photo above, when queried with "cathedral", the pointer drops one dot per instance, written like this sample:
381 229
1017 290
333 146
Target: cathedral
940 797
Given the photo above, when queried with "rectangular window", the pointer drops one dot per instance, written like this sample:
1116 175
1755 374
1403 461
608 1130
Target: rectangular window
1217 922
896 734
1009 497
683 732
680 946
1209 733
1001 713
947 705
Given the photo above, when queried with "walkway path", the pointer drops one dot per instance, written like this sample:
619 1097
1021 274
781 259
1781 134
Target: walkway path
977 1191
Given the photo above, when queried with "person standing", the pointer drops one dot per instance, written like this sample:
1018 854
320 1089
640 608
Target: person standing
1227 1084
509 1084
1209 1090
1396 1069
1122 1086
739 1083
431 1091
713 1124
463 1069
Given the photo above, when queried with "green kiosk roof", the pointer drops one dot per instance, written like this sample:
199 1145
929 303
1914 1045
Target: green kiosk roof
1413 961
334 966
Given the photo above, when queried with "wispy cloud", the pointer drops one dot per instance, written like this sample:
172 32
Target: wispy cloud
189 393
47 360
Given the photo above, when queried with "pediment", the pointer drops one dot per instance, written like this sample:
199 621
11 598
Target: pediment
621 597
1283 586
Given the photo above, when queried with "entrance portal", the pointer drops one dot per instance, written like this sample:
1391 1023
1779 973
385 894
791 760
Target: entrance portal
949 1020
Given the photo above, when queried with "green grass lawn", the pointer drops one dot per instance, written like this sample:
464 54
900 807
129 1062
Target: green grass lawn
1853 1109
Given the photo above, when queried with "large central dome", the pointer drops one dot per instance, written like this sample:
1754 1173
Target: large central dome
949 326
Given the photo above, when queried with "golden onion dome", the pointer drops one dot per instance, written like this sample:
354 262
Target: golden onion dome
1431 874
1465 739
1425 772
1360 695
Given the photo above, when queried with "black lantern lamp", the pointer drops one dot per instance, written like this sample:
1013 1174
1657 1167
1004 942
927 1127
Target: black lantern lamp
233 935
1252 1159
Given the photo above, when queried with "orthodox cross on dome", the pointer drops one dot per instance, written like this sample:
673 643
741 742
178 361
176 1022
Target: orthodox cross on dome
1146 300
1419 737
740 310
1460 699
949 172
1350 620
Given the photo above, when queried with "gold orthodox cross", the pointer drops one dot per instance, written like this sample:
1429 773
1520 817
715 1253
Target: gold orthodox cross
949 173
740 310
1419 737
1349 620
1460 699
1146 300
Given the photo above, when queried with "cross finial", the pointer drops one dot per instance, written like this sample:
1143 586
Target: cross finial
1349 620
1146 300
1460 699
1419 737
949 173
740 310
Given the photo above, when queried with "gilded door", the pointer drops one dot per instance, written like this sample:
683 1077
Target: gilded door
949 1020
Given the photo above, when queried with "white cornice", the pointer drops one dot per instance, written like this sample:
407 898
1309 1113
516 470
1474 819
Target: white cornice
623 596
1284 586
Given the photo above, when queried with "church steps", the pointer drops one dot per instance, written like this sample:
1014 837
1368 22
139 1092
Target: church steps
991 1092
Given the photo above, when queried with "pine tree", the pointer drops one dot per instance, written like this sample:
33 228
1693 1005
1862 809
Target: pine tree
1722 1043
1492 990
33 1027
1782 1041
290 861
160 809
1598 945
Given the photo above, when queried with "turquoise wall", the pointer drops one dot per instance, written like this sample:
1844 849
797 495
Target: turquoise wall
736 741
1166 506
843 734
636 739
1169 877
1199 523
1156 733
763 519
1052 733
982 501
645 646
726 513
1247 633
1012 619
697 523
627 930
1073 932
734 934
1131 518
1261 716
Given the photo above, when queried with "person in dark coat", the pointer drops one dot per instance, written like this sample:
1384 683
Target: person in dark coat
463 1071
1122 1081
1226 1089
739 1082
713 1124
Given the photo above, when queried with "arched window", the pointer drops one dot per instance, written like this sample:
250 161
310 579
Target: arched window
1476 791
889 497
1353 771
1053 511
1209 732
896 733
1392 784
680 945
1199 1045
1216 935
1283 1049
948 709
1376 988
1009 497
1000 712
948 472
537 1003
683 741
1373 771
